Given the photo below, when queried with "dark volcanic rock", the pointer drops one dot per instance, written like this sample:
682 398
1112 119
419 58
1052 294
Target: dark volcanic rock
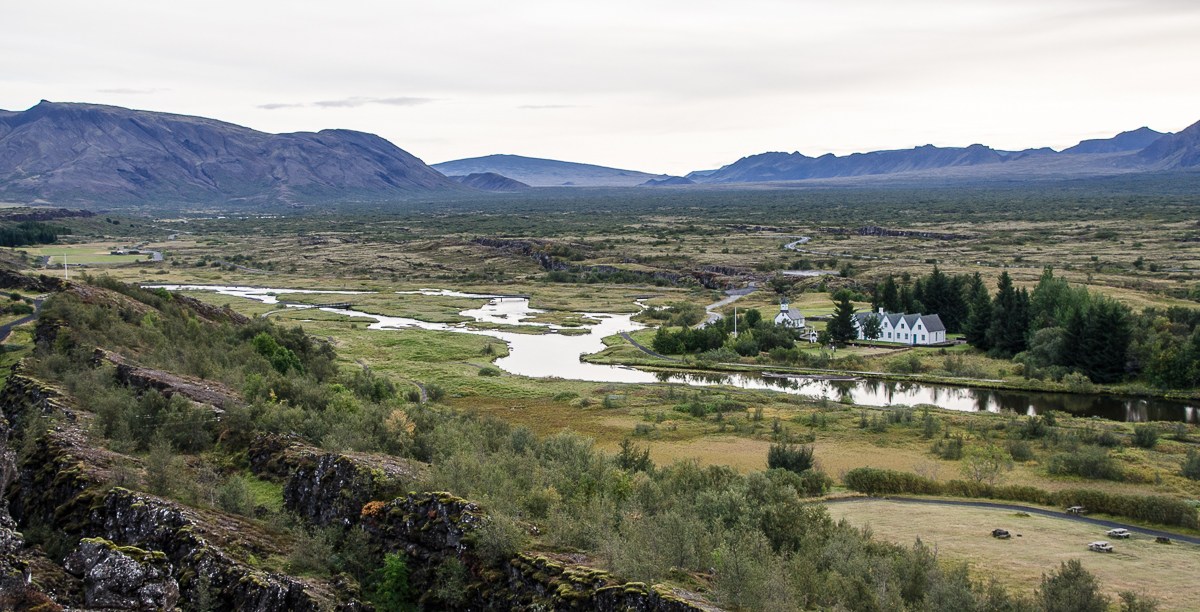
208 392
95 153
490 181
124 578
327 488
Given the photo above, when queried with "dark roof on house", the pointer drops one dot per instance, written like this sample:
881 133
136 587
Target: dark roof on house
794 314
932 323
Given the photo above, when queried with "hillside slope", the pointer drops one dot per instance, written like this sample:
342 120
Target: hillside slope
797 166
539 172
92 153
490 181
1174 151
1134 140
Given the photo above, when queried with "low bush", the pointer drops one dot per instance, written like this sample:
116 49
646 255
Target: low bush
792 458
1191 465
1145 436
1020 450
1090 462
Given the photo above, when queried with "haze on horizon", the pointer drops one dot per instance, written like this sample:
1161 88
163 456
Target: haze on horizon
663 87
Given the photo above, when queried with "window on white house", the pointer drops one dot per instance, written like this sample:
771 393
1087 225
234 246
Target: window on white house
922 337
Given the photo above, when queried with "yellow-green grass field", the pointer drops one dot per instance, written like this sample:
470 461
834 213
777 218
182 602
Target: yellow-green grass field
964 533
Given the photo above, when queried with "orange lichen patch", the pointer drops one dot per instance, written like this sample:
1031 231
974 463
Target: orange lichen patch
373 509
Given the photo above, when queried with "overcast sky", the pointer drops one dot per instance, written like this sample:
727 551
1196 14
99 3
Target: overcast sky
659 86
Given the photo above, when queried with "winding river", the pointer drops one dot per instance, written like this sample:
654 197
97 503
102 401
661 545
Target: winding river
552 354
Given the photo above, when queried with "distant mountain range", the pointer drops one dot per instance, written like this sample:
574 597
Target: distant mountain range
93 155
88 153
1138 150
547 172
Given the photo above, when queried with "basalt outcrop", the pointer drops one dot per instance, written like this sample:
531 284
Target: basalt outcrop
64 485
434 528
209 392
123 577
328 488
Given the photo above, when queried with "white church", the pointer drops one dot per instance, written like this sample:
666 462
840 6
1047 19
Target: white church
789 317
904 328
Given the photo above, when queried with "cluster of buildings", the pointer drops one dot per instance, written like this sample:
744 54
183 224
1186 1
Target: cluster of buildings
912 329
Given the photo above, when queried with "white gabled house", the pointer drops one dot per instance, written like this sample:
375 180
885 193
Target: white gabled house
904 328
789 317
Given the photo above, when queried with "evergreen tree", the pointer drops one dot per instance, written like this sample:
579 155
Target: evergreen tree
1097 339
1010 318
890 296
841 327
1071 589
979 320
872 327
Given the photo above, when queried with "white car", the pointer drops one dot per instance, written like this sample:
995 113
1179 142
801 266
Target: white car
1119 533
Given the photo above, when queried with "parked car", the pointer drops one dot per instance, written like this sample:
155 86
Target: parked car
1100 547
1119 533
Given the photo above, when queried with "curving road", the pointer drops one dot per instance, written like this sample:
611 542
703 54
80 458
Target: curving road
644 349
7 328
1029 509
734 295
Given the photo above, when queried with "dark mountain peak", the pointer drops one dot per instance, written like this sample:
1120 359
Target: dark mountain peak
490 181
1172 151
1133 140
99 153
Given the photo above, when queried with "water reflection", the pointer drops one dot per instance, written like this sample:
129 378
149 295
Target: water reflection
557 355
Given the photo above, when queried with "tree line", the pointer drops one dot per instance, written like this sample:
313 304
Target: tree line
28 233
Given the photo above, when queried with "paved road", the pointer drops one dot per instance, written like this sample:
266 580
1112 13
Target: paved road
734 295
644 349
1029 509
6 329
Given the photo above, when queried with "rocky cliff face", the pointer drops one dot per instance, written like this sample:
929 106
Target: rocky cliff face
431 528
62 484
329 488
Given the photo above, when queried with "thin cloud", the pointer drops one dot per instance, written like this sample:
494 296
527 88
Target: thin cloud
127 91
401 101
360 101
278 105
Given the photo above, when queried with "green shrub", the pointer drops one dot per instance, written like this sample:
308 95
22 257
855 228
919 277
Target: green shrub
792 458
391 592
489 371
1145 436
1071 589
1020 450
235 496
499 539
1090 462
1191 465
435 392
